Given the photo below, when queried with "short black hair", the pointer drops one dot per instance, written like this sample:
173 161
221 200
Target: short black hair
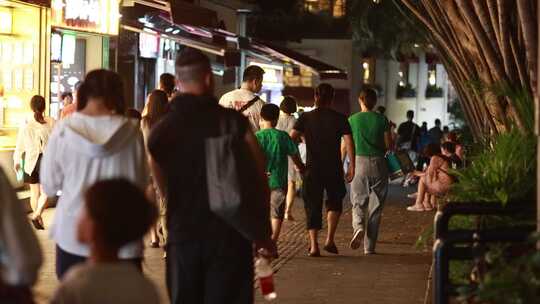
449 146
437 122
410 114
192 65
288 105
369 97
270 112
325 92
253 72
166 82
106 203
66 94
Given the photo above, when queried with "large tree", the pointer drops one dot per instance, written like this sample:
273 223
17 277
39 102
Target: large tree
491 42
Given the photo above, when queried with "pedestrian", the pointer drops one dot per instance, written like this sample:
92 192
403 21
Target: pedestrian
369 188
167 84
423 141
460 150
97 142
435 181
157 107
286 122
66 98
323 130
31 142
408 137
72 107
208 260
21 253
277 146
435 133
244 99
105 229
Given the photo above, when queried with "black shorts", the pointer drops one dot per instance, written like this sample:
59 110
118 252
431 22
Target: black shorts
313 192
34 177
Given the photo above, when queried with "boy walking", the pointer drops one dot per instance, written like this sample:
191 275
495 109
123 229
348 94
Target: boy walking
372 139
277 146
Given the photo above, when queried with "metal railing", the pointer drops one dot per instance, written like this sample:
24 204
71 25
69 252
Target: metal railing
465 244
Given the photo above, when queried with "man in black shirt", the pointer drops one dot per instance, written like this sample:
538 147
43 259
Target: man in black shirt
208 261
323 130
435 133
408 134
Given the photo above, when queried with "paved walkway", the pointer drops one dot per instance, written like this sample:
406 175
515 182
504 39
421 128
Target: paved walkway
397 274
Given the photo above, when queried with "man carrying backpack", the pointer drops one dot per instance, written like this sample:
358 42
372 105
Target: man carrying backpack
209 255
244 99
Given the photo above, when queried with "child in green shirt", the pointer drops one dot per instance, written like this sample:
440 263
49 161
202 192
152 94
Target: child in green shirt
277 146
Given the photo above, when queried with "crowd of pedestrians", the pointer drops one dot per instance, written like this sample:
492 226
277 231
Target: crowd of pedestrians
214 179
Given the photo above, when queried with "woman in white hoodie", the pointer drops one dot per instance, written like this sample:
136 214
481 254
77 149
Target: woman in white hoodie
95 143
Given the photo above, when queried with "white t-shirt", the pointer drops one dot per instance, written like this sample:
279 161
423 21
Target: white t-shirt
237 99
118 283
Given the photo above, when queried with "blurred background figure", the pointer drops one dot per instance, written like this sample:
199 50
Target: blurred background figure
31 143
20 254
286 122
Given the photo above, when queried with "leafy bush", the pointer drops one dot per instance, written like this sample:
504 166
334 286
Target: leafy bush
510 279
406 91
433 91
505 171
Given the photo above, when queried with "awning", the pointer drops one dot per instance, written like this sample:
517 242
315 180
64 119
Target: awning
46 3
190 14
322 69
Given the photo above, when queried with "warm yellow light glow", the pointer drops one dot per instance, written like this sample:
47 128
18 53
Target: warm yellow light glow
97 16
6 20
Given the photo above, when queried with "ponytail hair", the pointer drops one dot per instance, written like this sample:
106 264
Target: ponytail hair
38 105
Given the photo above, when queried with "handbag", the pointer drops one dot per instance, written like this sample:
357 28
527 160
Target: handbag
399 164
232 182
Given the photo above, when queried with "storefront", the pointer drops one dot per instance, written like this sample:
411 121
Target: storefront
82 39
23 72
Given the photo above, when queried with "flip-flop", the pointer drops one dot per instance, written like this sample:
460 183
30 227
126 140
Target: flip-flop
331 248
416 209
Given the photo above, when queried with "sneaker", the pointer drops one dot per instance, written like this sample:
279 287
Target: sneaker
369 252
357 239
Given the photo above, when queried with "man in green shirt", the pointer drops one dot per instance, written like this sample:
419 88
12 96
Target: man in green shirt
372 139
277 146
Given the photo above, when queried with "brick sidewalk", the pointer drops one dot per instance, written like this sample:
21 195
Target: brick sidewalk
398 274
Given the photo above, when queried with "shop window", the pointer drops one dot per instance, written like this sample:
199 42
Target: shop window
432 74
368 71
335 8
403 74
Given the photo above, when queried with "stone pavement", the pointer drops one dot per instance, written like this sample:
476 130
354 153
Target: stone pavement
397 274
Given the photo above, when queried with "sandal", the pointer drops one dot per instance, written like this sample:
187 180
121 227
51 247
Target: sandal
415 208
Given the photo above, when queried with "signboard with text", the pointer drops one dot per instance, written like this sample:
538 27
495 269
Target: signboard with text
95 16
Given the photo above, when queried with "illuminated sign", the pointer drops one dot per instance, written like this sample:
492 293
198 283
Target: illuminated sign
148 45
97 16
6 20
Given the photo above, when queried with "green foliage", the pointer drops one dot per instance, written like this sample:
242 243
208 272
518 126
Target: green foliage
384 29
406 91
433 91
505 171
510 279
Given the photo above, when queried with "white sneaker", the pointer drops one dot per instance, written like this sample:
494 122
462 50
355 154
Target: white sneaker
357 239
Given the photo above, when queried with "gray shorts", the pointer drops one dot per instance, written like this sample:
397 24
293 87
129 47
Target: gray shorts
278 198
